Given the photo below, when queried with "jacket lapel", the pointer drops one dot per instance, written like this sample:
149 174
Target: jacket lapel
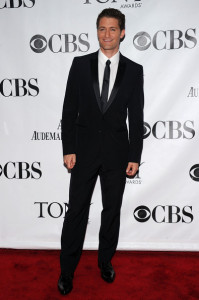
95 80
117 84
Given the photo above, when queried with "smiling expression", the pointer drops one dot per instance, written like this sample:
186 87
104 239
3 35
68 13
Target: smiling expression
109 35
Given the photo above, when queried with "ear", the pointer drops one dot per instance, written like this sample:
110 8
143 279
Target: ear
122 34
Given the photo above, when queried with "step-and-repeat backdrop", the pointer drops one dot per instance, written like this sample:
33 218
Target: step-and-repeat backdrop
38 40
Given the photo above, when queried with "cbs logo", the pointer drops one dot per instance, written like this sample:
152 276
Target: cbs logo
17 3
194 172
21 170
19 87
170 130
64 43
169 40
164 214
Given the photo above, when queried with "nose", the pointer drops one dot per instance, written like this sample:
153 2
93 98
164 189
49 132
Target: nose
107 33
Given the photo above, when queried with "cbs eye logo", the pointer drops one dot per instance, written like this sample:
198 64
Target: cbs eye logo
142 213
170 214
38 43
194 172
60 43
166 39
142 40
147 130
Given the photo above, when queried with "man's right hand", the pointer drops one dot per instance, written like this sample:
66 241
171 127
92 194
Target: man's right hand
70 160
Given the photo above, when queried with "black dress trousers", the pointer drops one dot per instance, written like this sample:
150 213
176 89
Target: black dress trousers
82 183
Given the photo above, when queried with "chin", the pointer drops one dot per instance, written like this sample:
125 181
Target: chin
107 48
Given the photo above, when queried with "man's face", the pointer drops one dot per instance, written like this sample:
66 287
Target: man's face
109 34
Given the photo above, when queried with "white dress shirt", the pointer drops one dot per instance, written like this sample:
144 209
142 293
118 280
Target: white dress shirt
113 69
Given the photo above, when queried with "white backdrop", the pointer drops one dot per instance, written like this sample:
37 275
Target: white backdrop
38 40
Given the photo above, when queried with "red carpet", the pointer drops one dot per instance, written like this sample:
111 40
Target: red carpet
32 275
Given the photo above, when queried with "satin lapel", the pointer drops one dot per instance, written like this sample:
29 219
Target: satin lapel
94 72
118 80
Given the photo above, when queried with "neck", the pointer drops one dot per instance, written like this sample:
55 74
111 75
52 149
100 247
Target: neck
109 53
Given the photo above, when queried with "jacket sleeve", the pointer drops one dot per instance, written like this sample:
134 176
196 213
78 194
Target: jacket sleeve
135 117
70 111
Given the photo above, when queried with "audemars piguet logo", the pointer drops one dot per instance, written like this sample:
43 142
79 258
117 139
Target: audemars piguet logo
47 135
193 92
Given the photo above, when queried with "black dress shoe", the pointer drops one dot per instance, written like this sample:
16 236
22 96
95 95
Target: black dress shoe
107 271
65 284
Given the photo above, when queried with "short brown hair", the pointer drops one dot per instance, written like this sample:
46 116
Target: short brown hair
112 13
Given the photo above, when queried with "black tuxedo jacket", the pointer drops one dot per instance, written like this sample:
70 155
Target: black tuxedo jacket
86 131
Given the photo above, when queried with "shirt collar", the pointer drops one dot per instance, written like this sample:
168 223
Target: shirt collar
103 58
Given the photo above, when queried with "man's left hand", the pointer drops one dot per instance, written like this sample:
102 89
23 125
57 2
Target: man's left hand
132 168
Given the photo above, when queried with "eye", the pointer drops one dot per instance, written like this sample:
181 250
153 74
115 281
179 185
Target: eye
194 172
142 213
147 130
142 40
38 43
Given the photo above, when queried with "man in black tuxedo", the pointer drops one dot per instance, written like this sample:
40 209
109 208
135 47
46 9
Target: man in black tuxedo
102 89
